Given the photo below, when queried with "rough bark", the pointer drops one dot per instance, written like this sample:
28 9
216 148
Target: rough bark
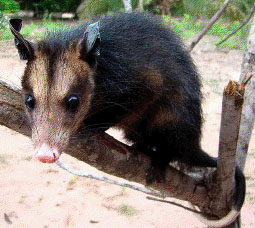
229 132
127 164
98 152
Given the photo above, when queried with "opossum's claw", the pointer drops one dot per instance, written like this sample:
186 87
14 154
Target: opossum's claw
155 175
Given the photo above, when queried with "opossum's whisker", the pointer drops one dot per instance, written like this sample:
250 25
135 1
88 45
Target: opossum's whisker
88 128
110 104
35 125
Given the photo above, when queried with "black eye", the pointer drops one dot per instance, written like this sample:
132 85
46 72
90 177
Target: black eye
30 102
72 103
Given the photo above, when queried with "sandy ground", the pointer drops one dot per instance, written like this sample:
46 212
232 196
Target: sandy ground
39 195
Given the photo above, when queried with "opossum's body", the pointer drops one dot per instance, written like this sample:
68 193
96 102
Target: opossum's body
143 82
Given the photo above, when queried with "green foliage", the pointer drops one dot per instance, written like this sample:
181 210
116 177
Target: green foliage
185 27
188 27
32 30
101 7
236 10
92 8
127 210
9 6
4 21
57 5
195 7
238 41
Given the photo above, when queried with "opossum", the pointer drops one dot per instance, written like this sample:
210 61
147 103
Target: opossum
127 71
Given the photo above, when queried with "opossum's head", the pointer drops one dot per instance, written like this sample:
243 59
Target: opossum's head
57 88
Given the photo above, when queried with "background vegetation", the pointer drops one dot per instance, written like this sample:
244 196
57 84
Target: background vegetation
9 6
42 7
236 10
187 18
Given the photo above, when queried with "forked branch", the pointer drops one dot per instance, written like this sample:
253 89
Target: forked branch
106 154
113 157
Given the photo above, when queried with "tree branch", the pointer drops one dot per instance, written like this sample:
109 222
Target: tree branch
211 22
98 152
124 162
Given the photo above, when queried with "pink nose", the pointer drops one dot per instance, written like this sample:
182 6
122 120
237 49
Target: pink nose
47 154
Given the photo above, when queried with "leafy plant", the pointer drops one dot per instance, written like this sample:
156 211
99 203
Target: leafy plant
34 30
127 210
4 21
236 10
57 5
3 160
9 6
101 7
188 27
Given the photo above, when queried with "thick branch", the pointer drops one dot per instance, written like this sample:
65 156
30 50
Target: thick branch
230 122
106 154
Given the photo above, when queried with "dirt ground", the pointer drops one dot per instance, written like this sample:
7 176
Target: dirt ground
39 195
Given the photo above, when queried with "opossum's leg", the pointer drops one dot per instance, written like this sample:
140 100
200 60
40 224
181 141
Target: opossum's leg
161 156
198 158
156 172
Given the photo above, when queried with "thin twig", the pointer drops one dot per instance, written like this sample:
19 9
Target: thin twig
179 205
134 187
240 27
110 181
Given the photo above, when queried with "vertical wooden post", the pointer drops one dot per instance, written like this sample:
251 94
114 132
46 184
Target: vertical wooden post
248 109
230 122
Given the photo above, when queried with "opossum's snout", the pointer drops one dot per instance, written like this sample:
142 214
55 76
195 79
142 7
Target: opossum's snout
50 140
45 153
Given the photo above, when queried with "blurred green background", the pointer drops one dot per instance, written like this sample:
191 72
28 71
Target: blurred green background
185 17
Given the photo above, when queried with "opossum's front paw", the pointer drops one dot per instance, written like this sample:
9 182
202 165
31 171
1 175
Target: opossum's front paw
155 175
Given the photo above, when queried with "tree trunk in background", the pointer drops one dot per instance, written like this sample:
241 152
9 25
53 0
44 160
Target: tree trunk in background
127 5
140 5
164 6
248 113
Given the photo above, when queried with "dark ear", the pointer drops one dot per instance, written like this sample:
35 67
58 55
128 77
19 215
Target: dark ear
25 48
90 44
